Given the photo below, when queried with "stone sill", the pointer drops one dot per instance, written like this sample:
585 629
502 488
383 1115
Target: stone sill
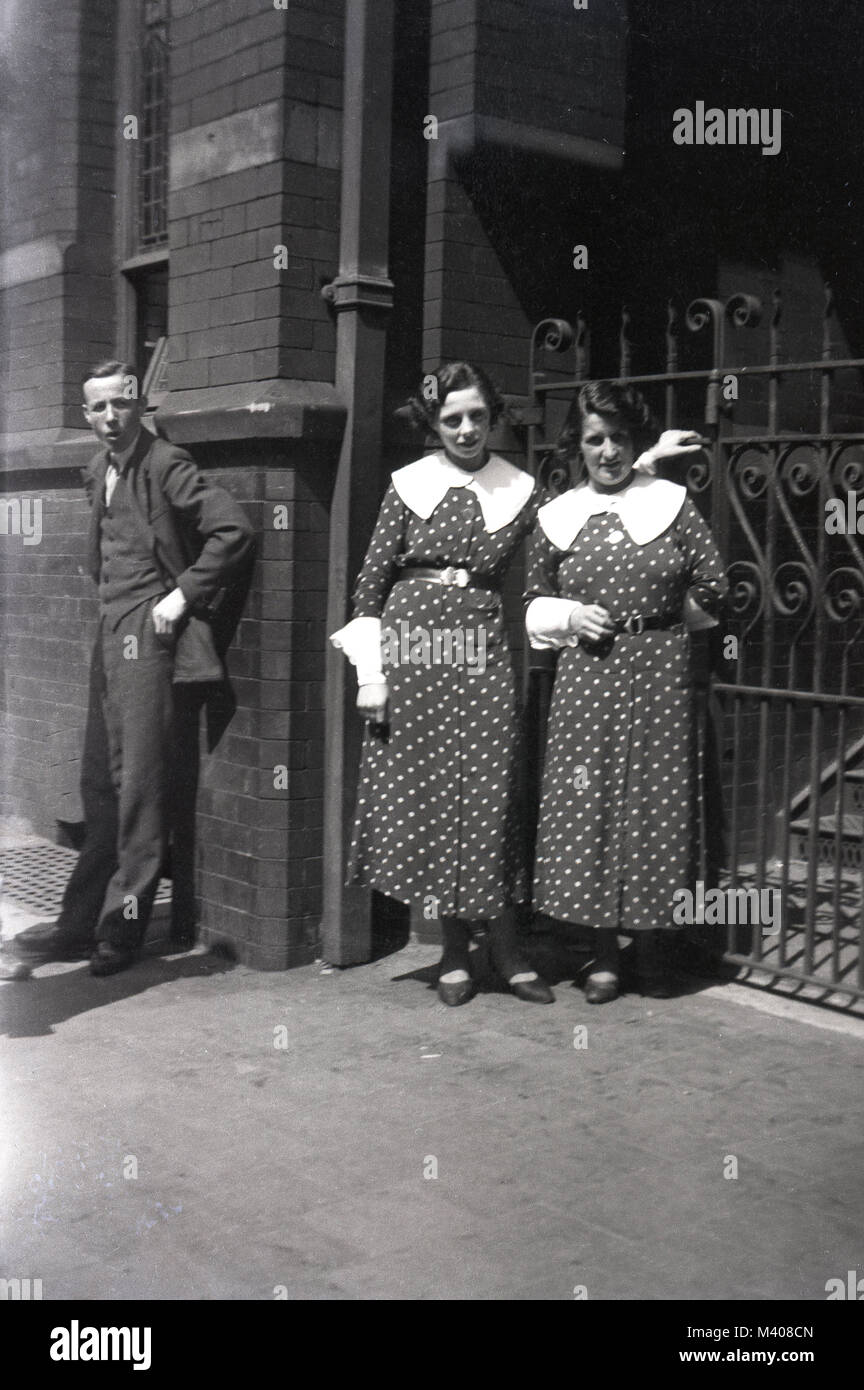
264 410
267 411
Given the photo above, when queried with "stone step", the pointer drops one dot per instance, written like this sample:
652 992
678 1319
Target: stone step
851 839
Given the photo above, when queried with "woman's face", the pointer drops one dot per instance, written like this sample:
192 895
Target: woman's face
462 425
608 450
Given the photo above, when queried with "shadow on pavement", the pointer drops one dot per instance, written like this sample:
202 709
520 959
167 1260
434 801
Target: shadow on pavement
33 1007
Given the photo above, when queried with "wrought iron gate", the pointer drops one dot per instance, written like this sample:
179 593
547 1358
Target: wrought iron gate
777 682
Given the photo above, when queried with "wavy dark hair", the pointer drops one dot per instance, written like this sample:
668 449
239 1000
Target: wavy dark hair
452 376
604 398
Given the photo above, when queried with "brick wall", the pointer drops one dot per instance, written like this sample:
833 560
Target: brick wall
47 617
56 285
259 831
553 67
256 131
471 308
530 104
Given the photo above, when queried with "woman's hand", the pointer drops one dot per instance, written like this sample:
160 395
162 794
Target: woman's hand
591 622
672 444
372 701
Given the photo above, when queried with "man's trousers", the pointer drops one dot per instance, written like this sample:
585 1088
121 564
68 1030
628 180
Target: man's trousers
126 784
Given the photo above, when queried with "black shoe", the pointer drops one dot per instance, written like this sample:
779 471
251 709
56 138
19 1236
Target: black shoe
652 976
183 941
656 987
108 959
532 991
600 991
456 993
49 943
15 967
512 962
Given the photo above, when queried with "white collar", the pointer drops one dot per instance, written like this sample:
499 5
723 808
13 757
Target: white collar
647 507
501 489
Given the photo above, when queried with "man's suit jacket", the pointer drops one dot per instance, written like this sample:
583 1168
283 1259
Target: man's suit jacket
200 538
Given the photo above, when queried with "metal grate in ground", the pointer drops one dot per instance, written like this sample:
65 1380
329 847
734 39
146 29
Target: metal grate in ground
34 875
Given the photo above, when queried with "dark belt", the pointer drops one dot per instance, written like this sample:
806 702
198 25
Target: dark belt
452 576
635 623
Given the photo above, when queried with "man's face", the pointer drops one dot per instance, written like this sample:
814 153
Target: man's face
113 409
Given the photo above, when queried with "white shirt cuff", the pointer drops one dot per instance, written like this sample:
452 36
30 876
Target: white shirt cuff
547 621
360 640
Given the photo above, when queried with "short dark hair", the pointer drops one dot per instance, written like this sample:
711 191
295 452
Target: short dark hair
453 376
111 366
606 398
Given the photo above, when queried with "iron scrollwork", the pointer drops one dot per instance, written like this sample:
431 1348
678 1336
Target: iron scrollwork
746 593
793 593
844 595
799 471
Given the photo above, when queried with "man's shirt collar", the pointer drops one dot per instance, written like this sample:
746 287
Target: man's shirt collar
120 460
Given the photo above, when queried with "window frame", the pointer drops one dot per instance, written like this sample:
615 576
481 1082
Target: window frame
132 258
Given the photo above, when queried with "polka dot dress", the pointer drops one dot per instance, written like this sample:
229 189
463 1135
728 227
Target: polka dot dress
618 821
436 806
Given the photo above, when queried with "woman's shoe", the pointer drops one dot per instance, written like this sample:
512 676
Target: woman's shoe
651 975
459 992
656 987
601 990
512 966
534 991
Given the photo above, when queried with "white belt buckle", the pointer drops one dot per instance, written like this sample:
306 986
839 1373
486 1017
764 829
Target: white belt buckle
457 577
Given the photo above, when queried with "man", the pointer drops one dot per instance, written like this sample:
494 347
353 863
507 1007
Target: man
163 546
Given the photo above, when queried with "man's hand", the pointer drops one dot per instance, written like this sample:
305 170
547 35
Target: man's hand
168 611
372 701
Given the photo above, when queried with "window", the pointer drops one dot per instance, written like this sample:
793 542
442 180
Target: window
153 135
142 230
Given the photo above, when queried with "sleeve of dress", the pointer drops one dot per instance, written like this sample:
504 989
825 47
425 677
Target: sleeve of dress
547 618
360 639
707 584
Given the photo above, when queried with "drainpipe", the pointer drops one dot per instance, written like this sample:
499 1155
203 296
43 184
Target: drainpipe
361 295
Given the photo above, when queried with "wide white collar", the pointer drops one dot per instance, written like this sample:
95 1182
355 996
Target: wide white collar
501 489
646 508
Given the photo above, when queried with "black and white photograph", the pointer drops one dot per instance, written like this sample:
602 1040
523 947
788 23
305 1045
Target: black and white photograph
432 651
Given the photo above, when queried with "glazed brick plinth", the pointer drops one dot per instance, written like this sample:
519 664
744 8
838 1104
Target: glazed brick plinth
259 831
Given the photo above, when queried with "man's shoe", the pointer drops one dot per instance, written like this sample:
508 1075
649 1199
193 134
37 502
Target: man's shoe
15 967
108 959
47 944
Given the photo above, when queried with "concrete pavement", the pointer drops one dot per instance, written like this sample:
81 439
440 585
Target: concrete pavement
191 1129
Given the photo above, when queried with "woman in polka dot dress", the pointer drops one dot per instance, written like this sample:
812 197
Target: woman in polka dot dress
436 820
618 562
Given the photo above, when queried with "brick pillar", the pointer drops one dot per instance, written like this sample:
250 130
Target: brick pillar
260 801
